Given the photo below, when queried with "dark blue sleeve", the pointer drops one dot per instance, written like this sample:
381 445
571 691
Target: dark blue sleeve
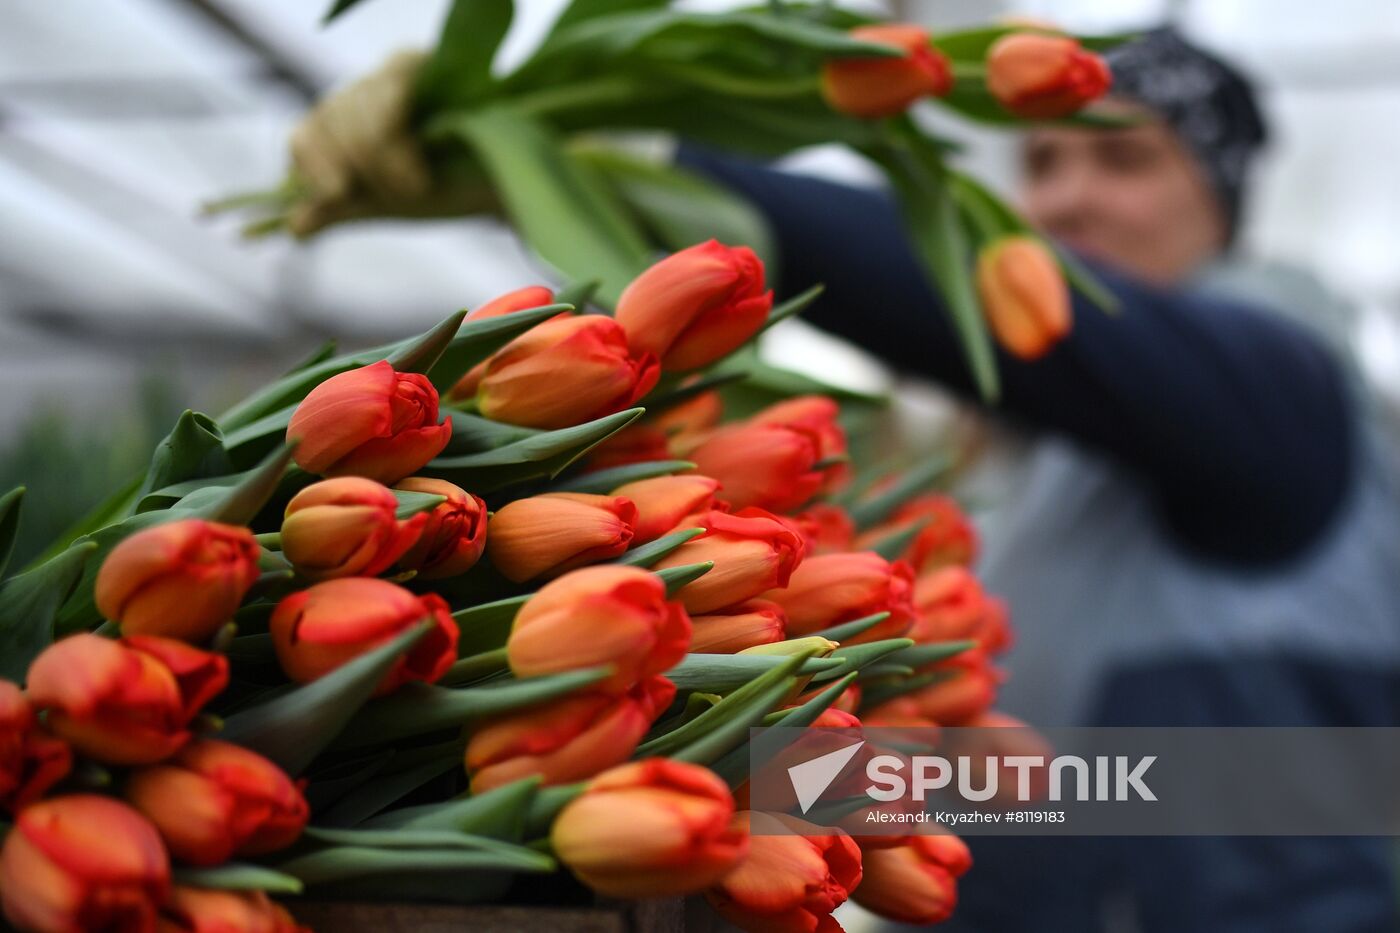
1239 420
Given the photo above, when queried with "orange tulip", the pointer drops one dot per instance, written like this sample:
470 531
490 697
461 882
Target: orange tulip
637 443
82 862
455 534
914 881
346 527
815 415
318 629
884 86
1024 296
753 551
994 633
31 760
371 422
830 589
181 579
690 418
696 305
767 466
566 371
200 910
795 875
664 500
125 702
522 299
995 735
611 615
1042 77
652 828
827 528
545 536
899 713
950 604
215 800
948 537
568 740
970 689
756 622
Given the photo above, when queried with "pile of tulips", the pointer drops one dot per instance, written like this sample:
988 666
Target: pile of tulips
355 640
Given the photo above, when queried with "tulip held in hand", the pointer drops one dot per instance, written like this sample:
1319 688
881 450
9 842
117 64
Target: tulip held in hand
318 629
346 527
882 87
652 828
125 702
1042 77
372 422
181 579
1023 295
545 536
454 535
31 760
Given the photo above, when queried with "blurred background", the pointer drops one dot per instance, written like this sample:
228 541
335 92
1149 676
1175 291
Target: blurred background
120 304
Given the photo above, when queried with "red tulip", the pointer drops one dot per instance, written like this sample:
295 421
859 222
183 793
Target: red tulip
950 604
567 740
82 862
215 800
875 87
522 299
753 551
564 372
200 910
545 536
637 443
664 500
455 534
766 466
899 713
1042 77
756 622
1024 296
830 589
795 875
318 629
827 528
652 828
31 760
971 689
697 305
610 615
346 527
815 415
181 579
690 418
371 422
914 881
948 537
128 701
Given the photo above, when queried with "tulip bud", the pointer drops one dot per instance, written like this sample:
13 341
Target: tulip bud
753 551
766 466
952 606
545 536
610 615
318 629
690 418
970 689
346 527
203 910
899 713
371 422
816 416
568 740
181 579
815 645
31 761
637 443
564 372
82 862
946 538
993 632
1024 296
215 800
795 875
915 881
884 86
454 535
522 299
652 828
747 625
664 500
830 589
696 305
124 702
827 528
1042 77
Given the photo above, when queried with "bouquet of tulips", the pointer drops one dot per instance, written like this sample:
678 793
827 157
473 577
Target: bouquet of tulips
442 133
502 599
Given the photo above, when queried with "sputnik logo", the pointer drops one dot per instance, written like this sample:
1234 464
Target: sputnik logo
811 778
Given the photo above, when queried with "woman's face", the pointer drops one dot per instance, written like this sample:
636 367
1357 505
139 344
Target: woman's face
1134 197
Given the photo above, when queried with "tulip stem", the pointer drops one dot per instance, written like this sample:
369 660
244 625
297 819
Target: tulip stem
476 667
970 71
272 540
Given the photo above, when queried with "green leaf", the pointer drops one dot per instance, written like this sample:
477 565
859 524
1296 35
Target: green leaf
875 693
793 306
893 545
677 577
647 554
578 293
486 627
871 511
542 454
292 729
416 709
9 525
809 712
1083 280
499 813
110 510
194 449
459 71
409 839
855 657
411 503
337 8
721 673
921 655
562 208
421 355
240 503
340 863
236 876
476 667
602 482
29 604
477 340
848 630
732 731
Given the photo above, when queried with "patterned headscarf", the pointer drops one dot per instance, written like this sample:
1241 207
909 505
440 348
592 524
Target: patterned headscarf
1209 104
